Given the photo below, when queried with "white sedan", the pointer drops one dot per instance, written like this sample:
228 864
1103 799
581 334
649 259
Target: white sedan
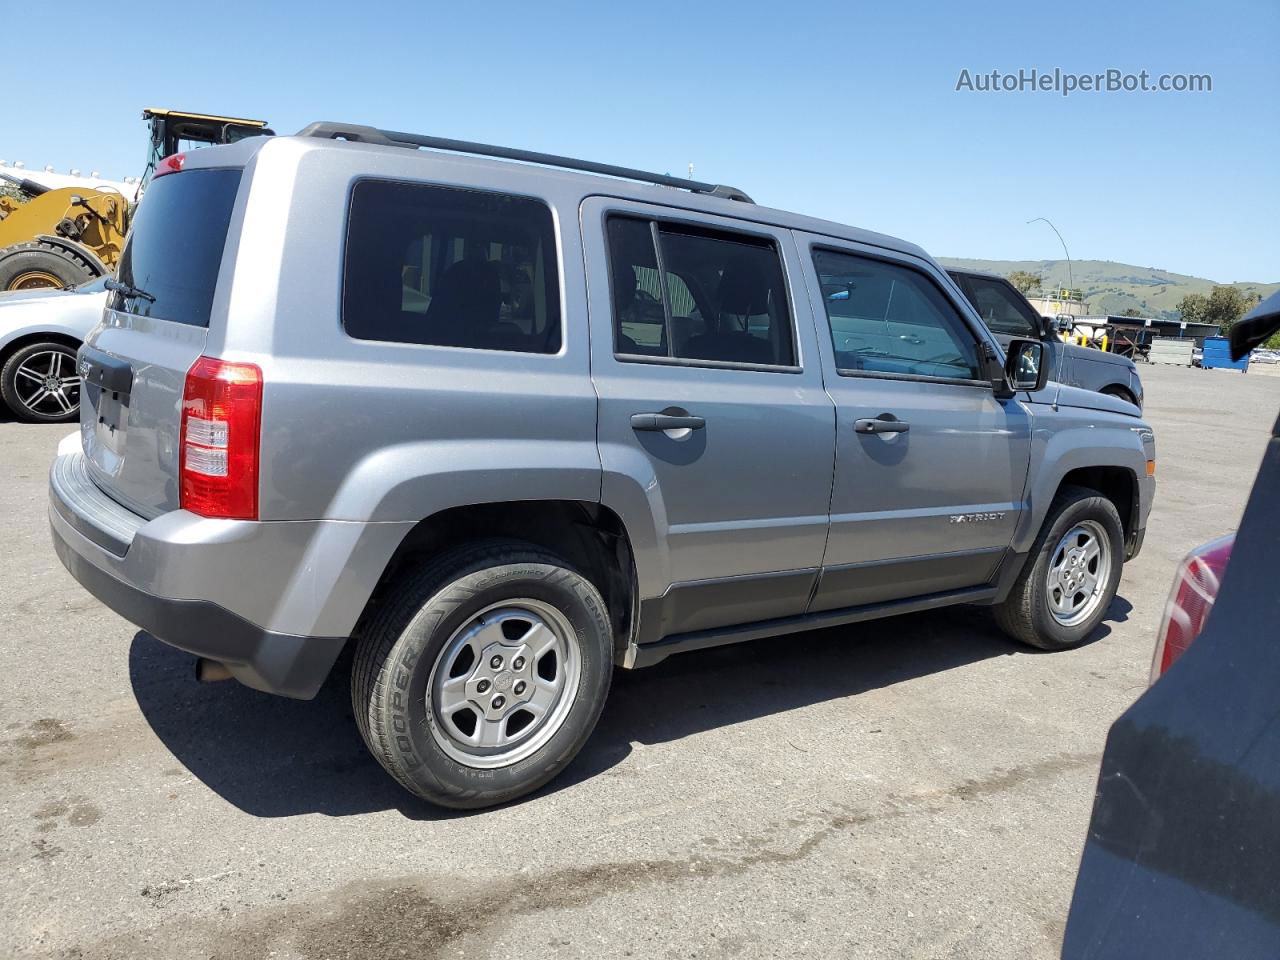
40 332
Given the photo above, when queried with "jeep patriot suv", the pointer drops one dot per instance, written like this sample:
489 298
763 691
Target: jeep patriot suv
502 421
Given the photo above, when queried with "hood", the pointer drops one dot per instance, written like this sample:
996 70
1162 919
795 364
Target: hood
1096 356
1092 400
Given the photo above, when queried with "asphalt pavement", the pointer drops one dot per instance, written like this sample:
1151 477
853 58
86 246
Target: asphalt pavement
916 787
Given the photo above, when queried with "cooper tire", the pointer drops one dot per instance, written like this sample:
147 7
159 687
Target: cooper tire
396 677
1027 614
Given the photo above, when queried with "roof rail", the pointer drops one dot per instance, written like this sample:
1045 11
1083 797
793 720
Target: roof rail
392 138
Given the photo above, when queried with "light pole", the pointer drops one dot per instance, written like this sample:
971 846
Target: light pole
1070 280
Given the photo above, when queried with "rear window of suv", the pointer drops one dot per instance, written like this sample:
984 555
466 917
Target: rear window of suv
450 267
175 245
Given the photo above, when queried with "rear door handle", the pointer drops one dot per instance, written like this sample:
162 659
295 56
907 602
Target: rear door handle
665 421
881 426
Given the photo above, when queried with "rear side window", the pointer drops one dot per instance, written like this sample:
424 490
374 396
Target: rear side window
175 245
450 267
688 293
890 319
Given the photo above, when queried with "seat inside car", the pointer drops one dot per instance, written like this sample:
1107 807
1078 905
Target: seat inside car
743 292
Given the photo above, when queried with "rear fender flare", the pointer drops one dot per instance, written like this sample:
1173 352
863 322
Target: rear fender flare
410 481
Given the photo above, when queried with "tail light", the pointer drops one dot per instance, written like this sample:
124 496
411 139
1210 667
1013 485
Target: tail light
173 163
221 423
1195 587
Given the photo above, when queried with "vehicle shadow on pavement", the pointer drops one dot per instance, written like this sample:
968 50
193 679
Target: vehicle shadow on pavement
270 756
275 757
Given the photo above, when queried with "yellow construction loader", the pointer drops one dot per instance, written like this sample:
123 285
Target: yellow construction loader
64 236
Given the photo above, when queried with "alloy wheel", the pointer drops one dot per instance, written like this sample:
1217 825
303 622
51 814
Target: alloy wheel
47 383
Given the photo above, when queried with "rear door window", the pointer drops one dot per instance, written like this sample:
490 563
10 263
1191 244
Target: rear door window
723 300
175 245
450 267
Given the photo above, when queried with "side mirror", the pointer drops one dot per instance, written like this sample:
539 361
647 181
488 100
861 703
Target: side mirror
1026 365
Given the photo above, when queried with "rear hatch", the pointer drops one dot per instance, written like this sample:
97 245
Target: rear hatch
135 364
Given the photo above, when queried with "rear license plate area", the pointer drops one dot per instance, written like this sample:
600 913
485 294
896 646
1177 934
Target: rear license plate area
105 385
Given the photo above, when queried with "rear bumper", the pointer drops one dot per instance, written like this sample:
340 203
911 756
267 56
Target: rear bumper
275 601
280 663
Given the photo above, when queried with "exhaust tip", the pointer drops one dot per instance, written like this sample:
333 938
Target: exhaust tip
211 671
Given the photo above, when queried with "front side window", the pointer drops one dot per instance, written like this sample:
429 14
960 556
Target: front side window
689 293
450 267
1002 308
890 319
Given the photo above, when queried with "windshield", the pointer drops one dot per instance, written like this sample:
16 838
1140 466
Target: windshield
1002 308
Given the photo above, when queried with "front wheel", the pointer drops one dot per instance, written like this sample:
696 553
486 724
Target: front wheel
484 674
1071 576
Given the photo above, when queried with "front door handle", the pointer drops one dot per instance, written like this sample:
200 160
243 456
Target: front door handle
665 421
881 426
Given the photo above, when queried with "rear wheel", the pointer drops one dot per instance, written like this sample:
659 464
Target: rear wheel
1070 578
40 383
32 266
484 674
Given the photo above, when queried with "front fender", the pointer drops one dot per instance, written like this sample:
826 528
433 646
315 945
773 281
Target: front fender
1069 438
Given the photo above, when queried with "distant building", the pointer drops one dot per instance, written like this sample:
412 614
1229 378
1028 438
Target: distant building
1059 303
1142 329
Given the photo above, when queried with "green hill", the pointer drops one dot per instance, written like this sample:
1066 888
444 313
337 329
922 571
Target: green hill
1110 287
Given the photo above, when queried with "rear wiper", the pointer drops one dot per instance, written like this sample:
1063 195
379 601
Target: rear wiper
128 290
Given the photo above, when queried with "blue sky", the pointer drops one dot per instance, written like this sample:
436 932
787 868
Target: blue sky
842 110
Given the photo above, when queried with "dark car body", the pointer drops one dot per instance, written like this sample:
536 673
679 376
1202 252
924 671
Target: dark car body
1182 857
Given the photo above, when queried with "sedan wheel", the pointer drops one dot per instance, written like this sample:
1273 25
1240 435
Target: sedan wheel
40 383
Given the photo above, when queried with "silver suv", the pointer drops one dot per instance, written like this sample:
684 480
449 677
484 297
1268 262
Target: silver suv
502 426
